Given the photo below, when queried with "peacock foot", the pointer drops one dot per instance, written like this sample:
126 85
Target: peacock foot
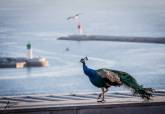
101 101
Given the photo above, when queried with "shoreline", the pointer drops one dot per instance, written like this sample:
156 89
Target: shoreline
113 38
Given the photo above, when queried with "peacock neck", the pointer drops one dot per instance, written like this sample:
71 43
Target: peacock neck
87 71
84 66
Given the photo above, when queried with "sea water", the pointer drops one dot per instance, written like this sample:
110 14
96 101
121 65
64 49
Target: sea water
65 75
42 22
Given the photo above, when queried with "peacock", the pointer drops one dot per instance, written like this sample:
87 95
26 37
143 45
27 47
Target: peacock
104 78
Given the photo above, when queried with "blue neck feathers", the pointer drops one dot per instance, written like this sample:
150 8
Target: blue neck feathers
89 72
85 68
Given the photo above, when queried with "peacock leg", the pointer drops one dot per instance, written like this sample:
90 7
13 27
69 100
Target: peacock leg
106 90
103 96
100 95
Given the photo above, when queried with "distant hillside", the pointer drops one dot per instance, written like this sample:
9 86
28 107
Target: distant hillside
113 38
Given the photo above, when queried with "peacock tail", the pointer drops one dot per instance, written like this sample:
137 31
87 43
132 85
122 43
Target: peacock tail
131 82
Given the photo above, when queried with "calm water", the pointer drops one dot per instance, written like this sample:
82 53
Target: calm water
41 22
64 74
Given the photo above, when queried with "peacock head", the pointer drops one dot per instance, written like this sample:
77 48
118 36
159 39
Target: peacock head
82 60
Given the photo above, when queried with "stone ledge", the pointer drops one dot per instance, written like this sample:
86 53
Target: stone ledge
112 105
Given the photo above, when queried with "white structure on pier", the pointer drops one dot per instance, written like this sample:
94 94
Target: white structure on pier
29 51
76 19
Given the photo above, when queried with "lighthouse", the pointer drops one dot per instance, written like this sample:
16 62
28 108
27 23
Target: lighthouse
29 50
76 19
79 27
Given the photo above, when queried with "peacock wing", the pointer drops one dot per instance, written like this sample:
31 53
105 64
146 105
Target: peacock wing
110 75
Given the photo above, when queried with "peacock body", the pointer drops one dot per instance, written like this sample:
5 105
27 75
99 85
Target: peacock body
104 78
94 76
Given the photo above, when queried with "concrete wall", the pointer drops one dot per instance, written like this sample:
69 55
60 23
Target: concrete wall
131 108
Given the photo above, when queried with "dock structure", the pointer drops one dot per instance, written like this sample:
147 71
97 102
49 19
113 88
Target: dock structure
160 40
116 103
21 62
